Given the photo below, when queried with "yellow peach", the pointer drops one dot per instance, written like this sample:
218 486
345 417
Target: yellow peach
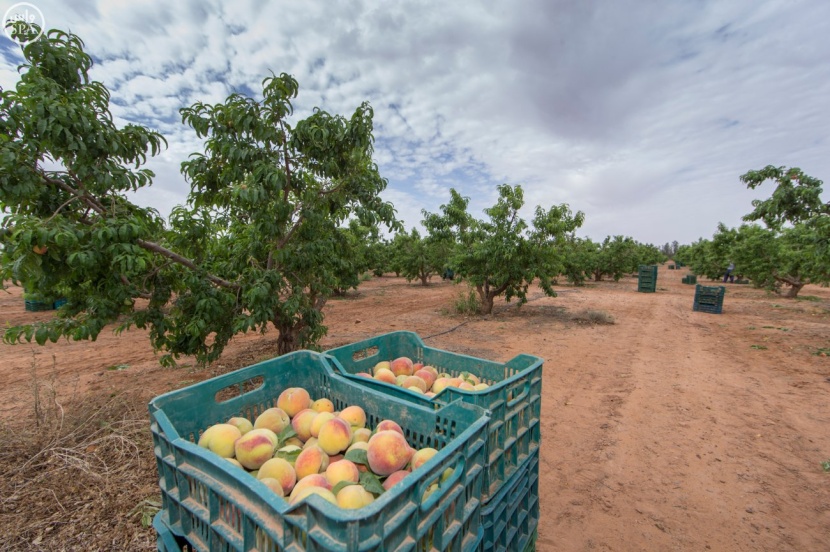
220 439
275 419
311 460
293 400
243 424
355 415
342 470
280 470
387 452
335 436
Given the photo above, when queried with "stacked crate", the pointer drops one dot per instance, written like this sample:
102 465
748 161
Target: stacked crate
510 498
689 279
709 299
210 504
647 280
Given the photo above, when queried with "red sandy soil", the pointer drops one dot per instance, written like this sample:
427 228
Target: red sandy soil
667 430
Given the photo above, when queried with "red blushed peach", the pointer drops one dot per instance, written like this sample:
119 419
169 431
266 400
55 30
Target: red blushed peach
280 470
310 461
402 366
312 480
293 400
382 365
417 366
427 376
385 375
308 491
387 425
421 456
388 452
394 478
302 421
335 436
323 405
440 384
243 424
255 448
275 419
319 420
466 386
415 381
220 439
355 415
342 470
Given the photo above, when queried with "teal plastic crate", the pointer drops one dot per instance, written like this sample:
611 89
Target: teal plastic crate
511 519
217 506
514 398
32 305
166 540
709 299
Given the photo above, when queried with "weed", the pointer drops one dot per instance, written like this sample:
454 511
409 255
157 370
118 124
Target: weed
826 465
750 327
593 317
822 351
758 347
467 303
118 367
811 298
146 510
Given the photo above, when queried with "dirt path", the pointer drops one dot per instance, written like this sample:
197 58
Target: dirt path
668 430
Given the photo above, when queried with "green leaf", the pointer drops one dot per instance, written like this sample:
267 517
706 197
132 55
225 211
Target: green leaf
371 483
358 456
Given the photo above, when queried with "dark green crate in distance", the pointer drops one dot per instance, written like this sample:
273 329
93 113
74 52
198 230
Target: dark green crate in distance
709 299
216 506
513 399
36 306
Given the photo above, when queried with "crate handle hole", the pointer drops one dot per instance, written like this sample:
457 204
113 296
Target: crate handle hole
365 353
238 389
518 393
444 484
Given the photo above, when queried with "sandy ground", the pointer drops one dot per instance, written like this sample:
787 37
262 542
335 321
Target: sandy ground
668 430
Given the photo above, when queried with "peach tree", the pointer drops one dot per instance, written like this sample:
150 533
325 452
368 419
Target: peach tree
503 255
259 242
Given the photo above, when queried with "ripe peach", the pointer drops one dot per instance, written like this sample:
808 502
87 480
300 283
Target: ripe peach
280 470
388 452
352 497
293 400
355 415
402 365
318 421
400 379
296 441
386 425
312 442
421 456
440 384
312 480
385 375
275 419
235 462
243 424
431 369
417 366
274 485
308 491
323 405
335 436
364 374
480 386
342 470
311 460
361 434
394 478
382 365
301 422
220 439
415 381
466 386
427 376
255 448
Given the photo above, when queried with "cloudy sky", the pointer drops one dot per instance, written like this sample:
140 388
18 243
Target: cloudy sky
643 114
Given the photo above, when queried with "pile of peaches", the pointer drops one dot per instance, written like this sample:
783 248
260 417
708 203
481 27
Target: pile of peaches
426 380
303 446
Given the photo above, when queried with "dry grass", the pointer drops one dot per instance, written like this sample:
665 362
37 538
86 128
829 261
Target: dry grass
591 317
79 475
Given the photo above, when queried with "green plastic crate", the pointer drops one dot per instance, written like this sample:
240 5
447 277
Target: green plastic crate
216 506
32 305
166 540
689 279
514 398
709 299
511 519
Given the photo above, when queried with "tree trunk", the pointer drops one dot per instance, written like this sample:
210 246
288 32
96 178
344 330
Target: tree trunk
486 300
423 279
598 276
288 340
792 293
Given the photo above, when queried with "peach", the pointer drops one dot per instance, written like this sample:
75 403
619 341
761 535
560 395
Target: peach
432 369
417 366
308 491
432 488
301 422
416 390
385 375
402 365
386 425
312 442
280 470
275 419
274 485
421 456
427 376
352 497
293 400
387 452
394 478
342 470
470 377
400 379
440 384
361 434
335 436
313 480
355 415
255 448
415 381
466 386
311 460
235 462
243 424
220 439
382 365
318 421
323 405
480 386
296 441
364 375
